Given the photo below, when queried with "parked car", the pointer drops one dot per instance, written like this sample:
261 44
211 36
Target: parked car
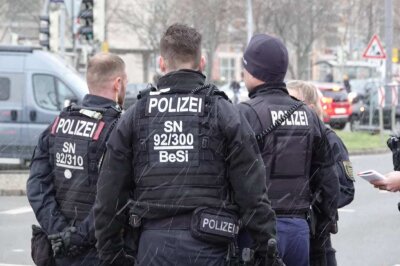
34 85
335 104
132 90
365 115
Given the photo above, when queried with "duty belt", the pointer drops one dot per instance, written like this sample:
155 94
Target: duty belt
291 214
178 222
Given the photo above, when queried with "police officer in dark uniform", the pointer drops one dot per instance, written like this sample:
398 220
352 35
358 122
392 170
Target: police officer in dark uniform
63 176
191 165
294 148
321 251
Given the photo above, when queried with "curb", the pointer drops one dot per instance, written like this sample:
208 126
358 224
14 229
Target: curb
12 192
369 151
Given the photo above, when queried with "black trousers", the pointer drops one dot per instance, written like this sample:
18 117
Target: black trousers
177 247
89 258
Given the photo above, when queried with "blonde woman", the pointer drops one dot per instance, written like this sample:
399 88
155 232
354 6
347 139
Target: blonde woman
321 251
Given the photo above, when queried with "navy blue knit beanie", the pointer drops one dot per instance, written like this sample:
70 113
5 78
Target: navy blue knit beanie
266 58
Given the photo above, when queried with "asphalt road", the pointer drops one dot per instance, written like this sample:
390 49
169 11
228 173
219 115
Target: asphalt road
369 228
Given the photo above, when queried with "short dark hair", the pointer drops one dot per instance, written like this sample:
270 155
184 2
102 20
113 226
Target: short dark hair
181 44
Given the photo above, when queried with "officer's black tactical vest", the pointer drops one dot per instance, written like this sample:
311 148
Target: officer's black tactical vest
286 152
77 145
179 156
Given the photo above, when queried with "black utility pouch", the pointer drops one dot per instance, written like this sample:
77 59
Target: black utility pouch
41 252
214 225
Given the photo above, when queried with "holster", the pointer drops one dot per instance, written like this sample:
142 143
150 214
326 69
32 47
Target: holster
312 222
41 252
214 225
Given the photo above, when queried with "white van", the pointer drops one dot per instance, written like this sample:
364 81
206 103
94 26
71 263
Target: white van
34 85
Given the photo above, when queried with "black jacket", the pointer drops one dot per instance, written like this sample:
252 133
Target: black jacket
344 168
243 163
40 185
293 151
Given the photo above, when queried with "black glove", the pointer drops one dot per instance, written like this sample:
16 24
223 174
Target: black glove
68 243
272 258
125 260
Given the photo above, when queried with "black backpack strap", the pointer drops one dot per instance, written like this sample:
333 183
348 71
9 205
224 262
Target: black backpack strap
278 122
211 90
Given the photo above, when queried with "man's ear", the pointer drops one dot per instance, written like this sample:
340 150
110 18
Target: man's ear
202 64
161 64
117 84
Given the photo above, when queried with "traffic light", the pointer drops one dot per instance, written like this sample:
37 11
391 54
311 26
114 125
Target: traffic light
86 20
44 30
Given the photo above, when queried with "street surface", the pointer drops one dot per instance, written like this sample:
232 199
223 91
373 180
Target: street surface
369 229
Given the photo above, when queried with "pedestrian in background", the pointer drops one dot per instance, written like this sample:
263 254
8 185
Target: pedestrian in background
321 250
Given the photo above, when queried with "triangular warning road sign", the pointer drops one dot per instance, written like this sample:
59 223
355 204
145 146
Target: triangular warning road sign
374 49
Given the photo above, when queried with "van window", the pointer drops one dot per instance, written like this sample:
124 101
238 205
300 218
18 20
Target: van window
4 89
50 92
64 93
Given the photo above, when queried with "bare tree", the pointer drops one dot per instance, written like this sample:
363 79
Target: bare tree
147 19
300 23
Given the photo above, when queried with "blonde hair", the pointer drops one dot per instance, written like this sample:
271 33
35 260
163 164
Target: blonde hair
308 93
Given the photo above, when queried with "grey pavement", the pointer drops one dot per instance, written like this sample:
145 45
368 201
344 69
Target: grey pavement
369 228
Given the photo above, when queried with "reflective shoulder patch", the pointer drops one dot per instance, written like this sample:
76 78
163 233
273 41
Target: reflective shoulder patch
348 167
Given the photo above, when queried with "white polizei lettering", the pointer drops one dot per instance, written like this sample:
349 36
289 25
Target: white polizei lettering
152 103
211 224
274 116
183 108
93 130
231 228
301 118
298 118
280 114
205 222
60 124
160 102
200 104
295 115
79 128
171 109
306 118
66 125
193 104
88 129
71 131
176 104
219 225
289 120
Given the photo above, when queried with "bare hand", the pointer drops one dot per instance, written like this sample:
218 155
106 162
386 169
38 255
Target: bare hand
391 183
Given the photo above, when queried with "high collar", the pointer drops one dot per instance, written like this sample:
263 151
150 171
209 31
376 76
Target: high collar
267 88
91 100
184 79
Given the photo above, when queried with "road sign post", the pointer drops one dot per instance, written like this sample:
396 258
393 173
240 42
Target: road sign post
375 50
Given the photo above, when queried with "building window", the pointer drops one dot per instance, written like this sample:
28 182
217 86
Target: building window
227 68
